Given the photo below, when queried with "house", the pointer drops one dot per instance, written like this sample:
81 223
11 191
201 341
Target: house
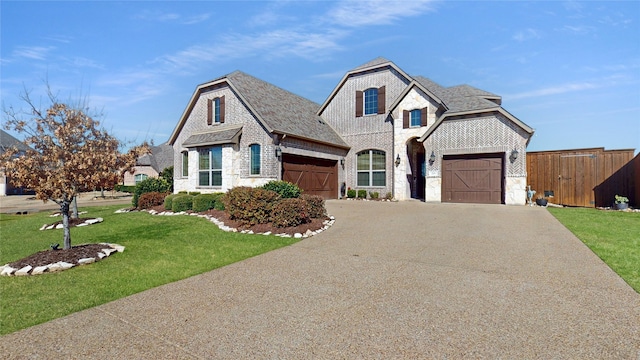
380 129
6 142
150 165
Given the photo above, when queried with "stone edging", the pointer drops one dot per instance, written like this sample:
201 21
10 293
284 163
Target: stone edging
60 226
325 224
7 270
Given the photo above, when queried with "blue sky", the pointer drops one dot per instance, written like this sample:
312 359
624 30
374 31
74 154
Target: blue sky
570 70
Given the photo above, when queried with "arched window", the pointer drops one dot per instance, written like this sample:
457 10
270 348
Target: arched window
371 101
371 168
140 177
255 159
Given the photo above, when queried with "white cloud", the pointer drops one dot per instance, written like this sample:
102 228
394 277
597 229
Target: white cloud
356 13
555 90
527 34
172 17
579 30
33 52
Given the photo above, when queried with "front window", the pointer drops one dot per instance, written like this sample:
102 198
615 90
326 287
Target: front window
371 101
216 110
185 164
255 159
371 168
140 177
210 166
415 117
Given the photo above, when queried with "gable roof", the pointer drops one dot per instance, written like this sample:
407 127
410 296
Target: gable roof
161 157
278 111
376 63
7 141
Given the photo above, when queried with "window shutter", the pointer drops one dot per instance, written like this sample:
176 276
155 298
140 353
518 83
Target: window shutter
405 119
381 100
423 117
209 111
359 103
222 109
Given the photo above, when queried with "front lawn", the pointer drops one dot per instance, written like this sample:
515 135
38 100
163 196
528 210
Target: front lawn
612 235
159 250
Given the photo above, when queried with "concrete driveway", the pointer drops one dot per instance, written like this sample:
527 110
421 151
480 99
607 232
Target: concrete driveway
404 280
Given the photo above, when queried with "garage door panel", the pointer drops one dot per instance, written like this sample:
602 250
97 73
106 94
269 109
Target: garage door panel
314 176
473 179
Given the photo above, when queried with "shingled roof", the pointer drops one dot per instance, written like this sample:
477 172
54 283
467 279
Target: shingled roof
7 142
161 157
278 110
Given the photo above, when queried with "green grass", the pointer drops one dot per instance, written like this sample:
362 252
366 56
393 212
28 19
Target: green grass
159 250
612 235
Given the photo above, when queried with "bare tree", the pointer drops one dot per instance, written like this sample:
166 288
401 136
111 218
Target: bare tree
69 153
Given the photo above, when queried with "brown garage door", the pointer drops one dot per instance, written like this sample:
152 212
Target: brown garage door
473 178
314 176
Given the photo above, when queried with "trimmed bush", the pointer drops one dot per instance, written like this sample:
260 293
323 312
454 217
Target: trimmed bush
218 204
351 193
362 194
249 205
168 201
286 190
290 212
194 193
151 199
203 202
316 206
374 194
388 196
150 185
182 203
125 188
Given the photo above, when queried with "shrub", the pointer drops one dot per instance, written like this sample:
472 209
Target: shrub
182 203
168 202
125 188
351 193
203 202
286 190
167 174
151 199
194 193
218 204
374 194
362 194
316 206
249 205
290 212
149 185
388 196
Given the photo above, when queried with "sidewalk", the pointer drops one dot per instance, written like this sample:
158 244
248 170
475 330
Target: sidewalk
28 203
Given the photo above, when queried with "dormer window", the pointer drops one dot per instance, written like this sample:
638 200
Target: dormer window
215 111
370 102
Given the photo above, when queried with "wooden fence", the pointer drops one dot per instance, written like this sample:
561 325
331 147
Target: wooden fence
585 177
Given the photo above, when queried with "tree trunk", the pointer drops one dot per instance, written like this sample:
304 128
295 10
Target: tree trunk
74 214
102 192
64 210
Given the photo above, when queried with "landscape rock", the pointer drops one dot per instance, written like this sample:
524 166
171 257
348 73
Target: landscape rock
39 270
85 261
297 236
7 270
24 271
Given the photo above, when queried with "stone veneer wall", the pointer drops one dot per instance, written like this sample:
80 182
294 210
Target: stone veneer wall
366 132
488 134
415 99
235 158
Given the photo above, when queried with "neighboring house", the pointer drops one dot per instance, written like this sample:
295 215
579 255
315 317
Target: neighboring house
380 130
150 165
6 142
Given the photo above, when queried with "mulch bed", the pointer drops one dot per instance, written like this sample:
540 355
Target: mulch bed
70 256
90 250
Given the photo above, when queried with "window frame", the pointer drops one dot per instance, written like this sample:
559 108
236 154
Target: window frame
412 118
371 171
142 177
253 154
216 110
185 164
210 171
370 101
